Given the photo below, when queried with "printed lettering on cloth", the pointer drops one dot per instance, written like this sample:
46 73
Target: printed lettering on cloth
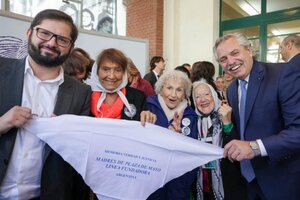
121 159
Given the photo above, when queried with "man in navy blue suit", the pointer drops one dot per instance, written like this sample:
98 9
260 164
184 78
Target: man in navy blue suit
290 49
267 97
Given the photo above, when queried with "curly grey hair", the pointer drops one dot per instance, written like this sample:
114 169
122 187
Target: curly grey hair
178 76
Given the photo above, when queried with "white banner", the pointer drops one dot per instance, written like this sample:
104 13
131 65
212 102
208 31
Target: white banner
121 159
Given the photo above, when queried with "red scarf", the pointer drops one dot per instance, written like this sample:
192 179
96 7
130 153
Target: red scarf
107 111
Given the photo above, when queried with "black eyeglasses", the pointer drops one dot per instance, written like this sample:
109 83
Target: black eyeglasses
43 34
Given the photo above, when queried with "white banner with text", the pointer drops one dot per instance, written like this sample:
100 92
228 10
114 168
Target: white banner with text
121 159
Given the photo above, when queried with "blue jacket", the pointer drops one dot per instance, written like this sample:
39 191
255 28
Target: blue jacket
180 187
273 115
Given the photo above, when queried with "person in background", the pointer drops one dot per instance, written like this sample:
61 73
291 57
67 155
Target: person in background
214 127
290 49
221 89
136 81
188 67
76 66
265 100
184 70
157 66
173 112
204 70
82 52
228 79
36 85
111 96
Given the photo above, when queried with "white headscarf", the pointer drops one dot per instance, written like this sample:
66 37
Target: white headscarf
97 86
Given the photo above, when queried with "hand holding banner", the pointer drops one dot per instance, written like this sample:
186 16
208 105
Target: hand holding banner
121 159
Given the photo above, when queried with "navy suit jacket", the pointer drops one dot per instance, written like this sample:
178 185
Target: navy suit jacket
273 115
59 180
296 60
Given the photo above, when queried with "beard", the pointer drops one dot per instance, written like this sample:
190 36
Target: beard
44 60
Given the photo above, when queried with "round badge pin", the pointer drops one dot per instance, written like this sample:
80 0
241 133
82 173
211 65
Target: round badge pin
186 122
186 130
133 111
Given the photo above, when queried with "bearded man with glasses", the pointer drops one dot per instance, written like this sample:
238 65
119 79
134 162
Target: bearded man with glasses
37 86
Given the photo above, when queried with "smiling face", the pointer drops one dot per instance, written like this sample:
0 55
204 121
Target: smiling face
235 59
172 92
110 75
204 99
49 53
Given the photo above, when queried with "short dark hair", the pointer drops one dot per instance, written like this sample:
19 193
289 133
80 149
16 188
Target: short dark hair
155 59
53 14
113 55
184 70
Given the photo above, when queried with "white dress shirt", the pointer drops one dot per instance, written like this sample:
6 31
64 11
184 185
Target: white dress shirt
23 176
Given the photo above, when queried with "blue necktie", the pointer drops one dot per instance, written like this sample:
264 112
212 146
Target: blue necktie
246 167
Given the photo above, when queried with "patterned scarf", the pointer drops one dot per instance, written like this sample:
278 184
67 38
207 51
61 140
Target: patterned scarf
217 184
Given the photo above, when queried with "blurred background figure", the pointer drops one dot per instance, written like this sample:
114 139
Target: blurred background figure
136 81
184 70
76 66
157 66
173 112
221 89
204 70
88 19
290 49
228 79
187 66
86 55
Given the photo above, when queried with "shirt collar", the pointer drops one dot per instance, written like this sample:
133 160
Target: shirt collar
59 79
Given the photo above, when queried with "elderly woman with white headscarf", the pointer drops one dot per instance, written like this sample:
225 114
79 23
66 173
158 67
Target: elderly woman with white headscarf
111 97
213 121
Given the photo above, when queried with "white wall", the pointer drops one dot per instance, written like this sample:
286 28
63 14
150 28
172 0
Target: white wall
190 30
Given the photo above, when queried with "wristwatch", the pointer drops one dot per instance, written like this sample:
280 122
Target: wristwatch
255 148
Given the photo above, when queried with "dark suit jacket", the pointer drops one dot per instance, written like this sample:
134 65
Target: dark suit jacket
138 99
296 60
151 78
273 115
59 180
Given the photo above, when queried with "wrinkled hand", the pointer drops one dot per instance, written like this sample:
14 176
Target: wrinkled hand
175 126
147 116
15 117
238 150
225 111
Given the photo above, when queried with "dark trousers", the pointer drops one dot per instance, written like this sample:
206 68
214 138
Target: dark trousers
254 192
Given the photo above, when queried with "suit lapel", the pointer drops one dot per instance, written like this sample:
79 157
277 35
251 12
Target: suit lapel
64 97
255 79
